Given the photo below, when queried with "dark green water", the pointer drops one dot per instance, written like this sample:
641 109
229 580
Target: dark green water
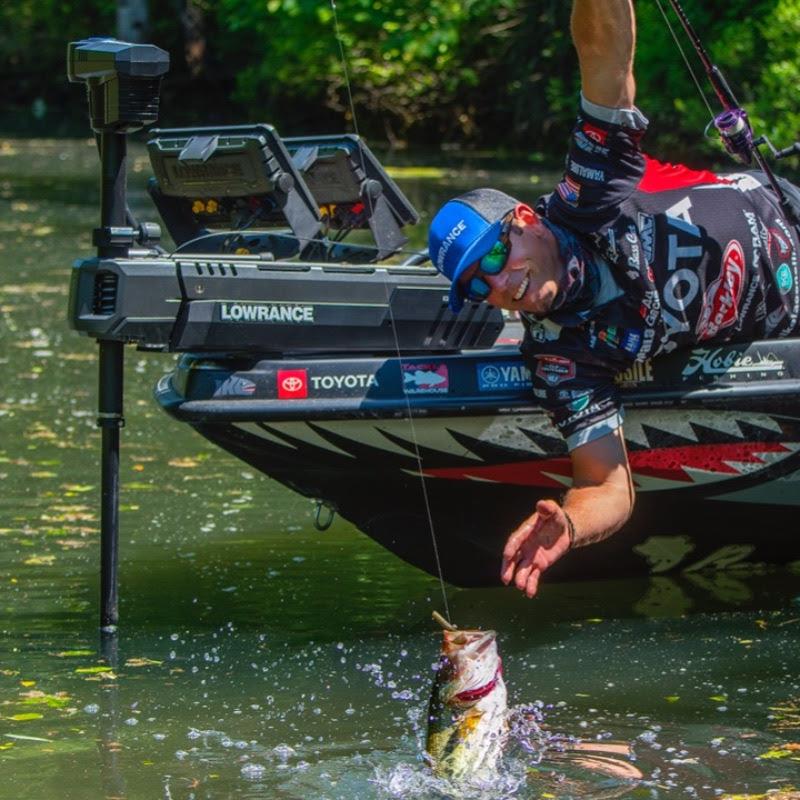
259 658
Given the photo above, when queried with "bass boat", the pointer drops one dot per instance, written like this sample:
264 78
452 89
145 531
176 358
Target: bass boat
337 369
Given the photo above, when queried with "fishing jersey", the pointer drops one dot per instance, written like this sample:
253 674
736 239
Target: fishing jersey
658 257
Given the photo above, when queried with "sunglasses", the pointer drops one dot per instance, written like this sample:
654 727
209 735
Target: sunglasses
493 263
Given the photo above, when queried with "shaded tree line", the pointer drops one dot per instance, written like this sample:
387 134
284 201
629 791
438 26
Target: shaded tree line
494 74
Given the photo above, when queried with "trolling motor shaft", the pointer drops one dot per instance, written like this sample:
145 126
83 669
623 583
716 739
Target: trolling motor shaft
122 82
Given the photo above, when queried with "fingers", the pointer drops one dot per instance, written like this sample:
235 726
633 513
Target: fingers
521 560
515 541
532 584
512 552
547 508
507 571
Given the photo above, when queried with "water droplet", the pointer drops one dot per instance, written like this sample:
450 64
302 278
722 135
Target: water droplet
253 772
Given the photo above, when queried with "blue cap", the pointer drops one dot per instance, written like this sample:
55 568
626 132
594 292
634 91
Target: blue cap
463 231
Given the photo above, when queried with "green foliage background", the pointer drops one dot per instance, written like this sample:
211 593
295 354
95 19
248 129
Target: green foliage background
492 74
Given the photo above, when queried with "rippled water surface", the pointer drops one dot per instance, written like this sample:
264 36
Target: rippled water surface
259 658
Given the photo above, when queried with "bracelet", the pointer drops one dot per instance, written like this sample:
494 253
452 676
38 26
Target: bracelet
570 529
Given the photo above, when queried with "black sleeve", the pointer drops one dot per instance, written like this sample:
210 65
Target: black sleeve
604 166
579 395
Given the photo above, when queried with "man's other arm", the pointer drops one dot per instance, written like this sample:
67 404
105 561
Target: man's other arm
604 34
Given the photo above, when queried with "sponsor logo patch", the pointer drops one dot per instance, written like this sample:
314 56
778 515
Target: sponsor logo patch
778 244
784 278
647 236
638 372
721 303
454 233
235 386
631 341
292 384
579 403
569 192
361 380
425 378
596 134
502 377
266 312
555 369
733 363
609 335
587 173
588 145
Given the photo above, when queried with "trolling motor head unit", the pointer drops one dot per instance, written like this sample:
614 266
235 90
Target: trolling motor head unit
122 79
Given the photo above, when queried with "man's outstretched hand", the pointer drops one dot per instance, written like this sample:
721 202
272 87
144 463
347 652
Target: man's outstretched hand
535 546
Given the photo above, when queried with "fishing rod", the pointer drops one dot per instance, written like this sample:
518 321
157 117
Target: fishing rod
417 452
732 123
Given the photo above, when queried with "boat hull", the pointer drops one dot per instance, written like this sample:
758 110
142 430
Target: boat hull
715 458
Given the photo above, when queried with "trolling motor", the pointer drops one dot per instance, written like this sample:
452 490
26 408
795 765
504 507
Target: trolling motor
123 82
239 284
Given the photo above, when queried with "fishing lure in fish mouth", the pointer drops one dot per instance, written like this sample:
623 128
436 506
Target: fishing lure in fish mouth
468 710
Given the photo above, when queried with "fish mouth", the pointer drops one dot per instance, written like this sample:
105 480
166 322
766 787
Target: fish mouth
475 640
474 665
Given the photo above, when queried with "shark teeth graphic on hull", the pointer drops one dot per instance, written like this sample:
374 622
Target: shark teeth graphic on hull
667 449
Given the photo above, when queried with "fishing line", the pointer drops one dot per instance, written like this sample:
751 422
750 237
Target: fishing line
685 58
417 454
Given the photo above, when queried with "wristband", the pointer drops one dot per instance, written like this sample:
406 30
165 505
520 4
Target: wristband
570 529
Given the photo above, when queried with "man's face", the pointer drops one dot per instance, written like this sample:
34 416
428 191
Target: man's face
529 279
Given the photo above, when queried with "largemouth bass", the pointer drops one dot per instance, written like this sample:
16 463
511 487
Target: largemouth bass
467 714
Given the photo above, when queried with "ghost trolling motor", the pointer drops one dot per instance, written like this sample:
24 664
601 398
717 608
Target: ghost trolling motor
123 82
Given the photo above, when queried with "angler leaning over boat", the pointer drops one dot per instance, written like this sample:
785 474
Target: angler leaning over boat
627 259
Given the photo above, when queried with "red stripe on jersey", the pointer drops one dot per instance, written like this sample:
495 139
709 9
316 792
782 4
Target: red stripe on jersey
661 176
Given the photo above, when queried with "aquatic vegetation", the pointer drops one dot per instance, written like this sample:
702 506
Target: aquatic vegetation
786 716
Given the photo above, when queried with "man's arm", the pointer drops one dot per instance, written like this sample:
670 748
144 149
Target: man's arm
599 503
601 498
604 34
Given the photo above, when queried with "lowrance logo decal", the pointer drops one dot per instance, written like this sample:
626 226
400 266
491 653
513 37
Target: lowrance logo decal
266 312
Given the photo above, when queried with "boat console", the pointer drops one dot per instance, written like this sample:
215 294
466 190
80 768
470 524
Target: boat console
261 265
